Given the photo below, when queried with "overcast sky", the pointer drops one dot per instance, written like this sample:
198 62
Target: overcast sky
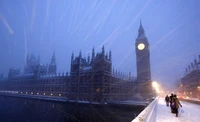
42 26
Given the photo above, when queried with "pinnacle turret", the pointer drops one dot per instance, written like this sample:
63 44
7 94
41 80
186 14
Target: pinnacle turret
52 66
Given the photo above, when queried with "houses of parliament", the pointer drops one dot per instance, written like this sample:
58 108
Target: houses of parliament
91 79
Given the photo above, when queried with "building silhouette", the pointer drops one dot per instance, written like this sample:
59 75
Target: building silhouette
142 50
91 80
190 82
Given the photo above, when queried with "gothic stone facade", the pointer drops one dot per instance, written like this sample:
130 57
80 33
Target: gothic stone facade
142 49
89 80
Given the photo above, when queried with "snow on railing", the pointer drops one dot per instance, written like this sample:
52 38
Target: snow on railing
149 113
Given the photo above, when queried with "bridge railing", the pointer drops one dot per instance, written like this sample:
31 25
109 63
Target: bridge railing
191 100
149 113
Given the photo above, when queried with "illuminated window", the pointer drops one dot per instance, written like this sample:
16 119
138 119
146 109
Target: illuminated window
98 90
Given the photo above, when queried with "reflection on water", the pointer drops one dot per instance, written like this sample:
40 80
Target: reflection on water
29 110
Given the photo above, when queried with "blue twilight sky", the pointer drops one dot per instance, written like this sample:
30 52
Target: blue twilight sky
42 26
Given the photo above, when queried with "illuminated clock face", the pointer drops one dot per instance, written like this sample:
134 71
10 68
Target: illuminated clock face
141 46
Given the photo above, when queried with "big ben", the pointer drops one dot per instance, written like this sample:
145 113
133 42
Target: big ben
143 64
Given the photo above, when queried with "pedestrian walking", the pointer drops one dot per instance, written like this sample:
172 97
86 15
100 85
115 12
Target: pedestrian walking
176 104
167 100
171 100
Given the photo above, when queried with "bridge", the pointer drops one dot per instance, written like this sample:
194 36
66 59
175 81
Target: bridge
157 111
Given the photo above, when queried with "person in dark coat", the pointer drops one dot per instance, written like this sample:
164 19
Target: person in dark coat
171 100
177 104
167 100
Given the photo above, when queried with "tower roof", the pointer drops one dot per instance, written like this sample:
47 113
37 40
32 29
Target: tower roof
141 28
141 33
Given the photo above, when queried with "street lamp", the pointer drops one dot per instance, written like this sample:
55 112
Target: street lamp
154 84
155 87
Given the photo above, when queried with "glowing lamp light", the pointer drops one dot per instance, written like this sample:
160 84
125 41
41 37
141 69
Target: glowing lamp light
59 94
51 94
37 93
155 84
44 93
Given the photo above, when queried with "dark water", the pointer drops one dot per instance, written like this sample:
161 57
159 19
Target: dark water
30 110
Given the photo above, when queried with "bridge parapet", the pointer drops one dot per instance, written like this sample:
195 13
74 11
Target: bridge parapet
149 113
192 100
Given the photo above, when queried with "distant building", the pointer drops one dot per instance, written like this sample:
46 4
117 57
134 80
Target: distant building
190 82
13 72
32 64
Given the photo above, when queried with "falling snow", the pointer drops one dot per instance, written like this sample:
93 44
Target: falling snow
66 26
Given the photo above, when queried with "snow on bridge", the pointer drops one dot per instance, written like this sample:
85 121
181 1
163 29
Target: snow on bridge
191 112
157 111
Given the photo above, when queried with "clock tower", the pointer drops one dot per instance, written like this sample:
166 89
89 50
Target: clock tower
143 64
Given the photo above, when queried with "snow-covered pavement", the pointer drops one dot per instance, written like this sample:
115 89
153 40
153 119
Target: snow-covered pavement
190 112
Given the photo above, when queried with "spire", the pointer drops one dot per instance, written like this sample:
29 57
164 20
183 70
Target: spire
80 54
52 66
141 32
93 53
103 51
53 59
72 57
110 55
141 28
92 49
